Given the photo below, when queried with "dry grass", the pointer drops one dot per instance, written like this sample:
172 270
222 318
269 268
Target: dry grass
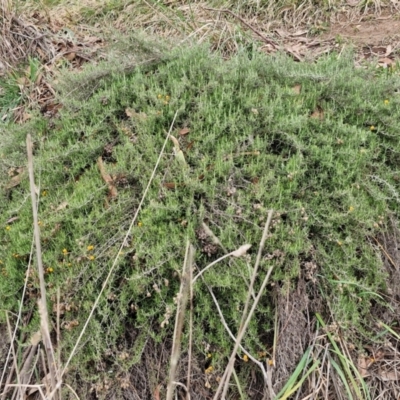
224 25
21 40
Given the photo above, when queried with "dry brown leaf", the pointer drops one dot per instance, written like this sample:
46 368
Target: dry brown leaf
25 117
36 338
131 113
63 205
353 3
169 185
362 366
300 32
392 375
379 50
70 56
156 393
184 131
106 177
281 33
385 62
190 145
318 113
379 355
297 88
51 109
11 220
15 181
91 39
71 325
112 194
14 171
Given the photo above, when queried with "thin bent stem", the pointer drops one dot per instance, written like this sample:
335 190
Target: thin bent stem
120 250
228 371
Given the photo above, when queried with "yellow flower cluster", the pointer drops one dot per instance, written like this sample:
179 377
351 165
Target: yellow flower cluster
165 98
91 257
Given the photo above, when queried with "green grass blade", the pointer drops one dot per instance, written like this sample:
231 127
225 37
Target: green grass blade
292 390
344 361
293 378
342 377
389 329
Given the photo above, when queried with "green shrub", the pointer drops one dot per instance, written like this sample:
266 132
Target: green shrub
316 142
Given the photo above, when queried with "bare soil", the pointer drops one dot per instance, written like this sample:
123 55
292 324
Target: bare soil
368 30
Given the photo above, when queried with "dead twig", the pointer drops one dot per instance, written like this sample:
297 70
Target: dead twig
385 252
255 361
117 257
43 301
15 359
190 272
223 385
179 321
229 369
258 33
236 253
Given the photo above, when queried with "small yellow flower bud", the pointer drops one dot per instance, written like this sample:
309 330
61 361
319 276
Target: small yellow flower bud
209 370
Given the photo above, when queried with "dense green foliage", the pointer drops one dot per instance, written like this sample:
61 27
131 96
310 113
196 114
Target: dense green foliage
317 142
